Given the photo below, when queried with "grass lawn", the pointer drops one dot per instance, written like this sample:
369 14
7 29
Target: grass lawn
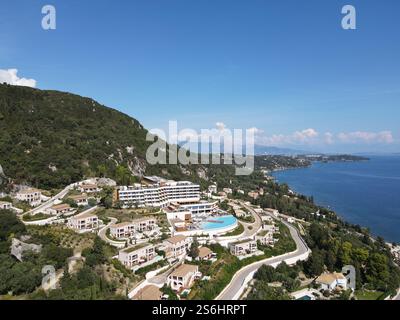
238 231
127 215
368 295
37 217
284 244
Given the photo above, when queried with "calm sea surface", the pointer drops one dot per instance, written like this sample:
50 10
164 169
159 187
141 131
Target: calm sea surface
365 193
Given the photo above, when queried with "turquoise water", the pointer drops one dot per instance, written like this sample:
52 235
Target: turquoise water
307 298
223 221
365 193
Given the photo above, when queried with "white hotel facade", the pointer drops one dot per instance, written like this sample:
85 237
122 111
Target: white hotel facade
159 194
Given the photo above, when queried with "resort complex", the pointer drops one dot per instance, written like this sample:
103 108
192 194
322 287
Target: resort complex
158 225
172 234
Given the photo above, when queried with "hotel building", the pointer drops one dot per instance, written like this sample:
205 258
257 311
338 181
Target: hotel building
159 193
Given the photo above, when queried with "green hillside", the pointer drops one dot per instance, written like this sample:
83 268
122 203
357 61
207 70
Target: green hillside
50 138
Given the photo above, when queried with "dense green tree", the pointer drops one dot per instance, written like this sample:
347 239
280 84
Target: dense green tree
95 255
194 249
314 266
377 271
360 255
10 225
262 291
56 255
18 277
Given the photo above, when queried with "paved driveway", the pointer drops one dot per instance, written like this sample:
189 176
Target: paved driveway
236 287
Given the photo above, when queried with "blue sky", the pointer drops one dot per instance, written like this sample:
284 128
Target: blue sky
284 67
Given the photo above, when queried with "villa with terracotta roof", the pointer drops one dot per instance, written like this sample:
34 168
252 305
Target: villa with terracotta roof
84 222
182 277
205 253
176 246
80 199
331 281
59 209
89 188
31 195
150 292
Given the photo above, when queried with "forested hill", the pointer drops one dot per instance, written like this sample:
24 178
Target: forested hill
50 138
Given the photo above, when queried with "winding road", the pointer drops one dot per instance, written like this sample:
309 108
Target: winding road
255 226
240 280
49 203
398 296
103 234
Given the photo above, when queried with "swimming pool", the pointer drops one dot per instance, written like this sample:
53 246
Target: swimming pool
218 222
307 298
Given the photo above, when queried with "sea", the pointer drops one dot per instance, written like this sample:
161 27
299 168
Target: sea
366 193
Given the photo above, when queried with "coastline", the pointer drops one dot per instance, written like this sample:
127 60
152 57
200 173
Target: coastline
325 196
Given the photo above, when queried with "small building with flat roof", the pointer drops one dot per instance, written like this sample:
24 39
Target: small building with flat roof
84 222
125 230
243 247
137 254
5 205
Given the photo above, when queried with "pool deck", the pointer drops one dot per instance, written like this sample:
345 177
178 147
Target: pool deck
222 228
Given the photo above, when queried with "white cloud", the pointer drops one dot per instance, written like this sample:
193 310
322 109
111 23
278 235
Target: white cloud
306 136
366 137
312 137
273 140
10 76
329 138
